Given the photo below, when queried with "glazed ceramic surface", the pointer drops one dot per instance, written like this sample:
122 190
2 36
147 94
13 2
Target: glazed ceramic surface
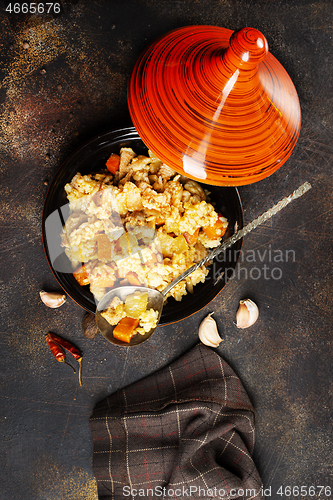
215 105
91 157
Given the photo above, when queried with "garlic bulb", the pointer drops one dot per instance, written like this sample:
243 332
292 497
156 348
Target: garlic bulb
247 313
208 333
52 299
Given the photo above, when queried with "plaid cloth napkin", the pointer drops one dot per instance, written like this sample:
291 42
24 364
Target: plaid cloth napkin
186 431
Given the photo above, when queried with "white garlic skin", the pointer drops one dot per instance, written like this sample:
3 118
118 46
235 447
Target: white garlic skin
52 299
208 333
247 313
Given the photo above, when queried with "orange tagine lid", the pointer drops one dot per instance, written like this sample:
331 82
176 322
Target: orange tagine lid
215 105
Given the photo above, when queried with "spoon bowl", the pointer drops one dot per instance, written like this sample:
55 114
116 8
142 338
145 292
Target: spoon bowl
155 301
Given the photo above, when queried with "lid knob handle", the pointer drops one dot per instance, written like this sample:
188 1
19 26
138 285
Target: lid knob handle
247 48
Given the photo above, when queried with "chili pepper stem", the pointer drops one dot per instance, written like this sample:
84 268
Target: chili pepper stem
80 370
64 361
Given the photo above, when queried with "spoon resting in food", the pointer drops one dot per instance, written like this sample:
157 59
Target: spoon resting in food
154 299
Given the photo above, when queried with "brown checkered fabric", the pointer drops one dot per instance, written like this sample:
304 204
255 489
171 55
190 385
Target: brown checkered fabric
186 431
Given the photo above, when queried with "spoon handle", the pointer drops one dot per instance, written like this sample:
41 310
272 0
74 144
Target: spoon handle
241 233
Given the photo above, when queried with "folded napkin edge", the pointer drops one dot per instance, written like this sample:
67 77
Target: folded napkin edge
137 408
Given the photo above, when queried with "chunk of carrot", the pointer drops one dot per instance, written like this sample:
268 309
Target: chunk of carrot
125 329
132 278
216 231
81 276
113 163
191 239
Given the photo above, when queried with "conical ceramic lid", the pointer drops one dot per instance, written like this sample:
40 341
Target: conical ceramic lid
215 105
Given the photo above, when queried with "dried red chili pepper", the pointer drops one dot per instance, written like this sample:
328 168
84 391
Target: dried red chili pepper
57 351
70 348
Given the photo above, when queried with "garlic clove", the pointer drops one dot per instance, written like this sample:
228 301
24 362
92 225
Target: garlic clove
208 333
52 299
247 313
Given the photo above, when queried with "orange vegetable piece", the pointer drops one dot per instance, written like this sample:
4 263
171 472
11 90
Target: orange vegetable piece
132 278
125 329
216 231
103 247
113 163
81 276
191 239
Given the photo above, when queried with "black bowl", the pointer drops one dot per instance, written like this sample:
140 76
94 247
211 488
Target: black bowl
91 157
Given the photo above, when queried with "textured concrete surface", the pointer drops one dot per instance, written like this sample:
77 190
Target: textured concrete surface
62 81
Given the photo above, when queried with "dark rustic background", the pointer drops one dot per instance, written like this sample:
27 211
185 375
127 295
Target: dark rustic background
62 81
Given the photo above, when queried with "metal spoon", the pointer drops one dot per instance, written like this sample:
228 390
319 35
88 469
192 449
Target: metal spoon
156 298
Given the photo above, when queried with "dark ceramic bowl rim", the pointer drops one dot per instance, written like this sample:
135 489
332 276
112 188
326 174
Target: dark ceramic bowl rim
105 144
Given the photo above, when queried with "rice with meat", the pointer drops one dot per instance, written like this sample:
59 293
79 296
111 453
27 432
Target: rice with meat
143 225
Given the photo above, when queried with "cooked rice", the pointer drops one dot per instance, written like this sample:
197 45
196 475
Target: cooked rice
148 216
